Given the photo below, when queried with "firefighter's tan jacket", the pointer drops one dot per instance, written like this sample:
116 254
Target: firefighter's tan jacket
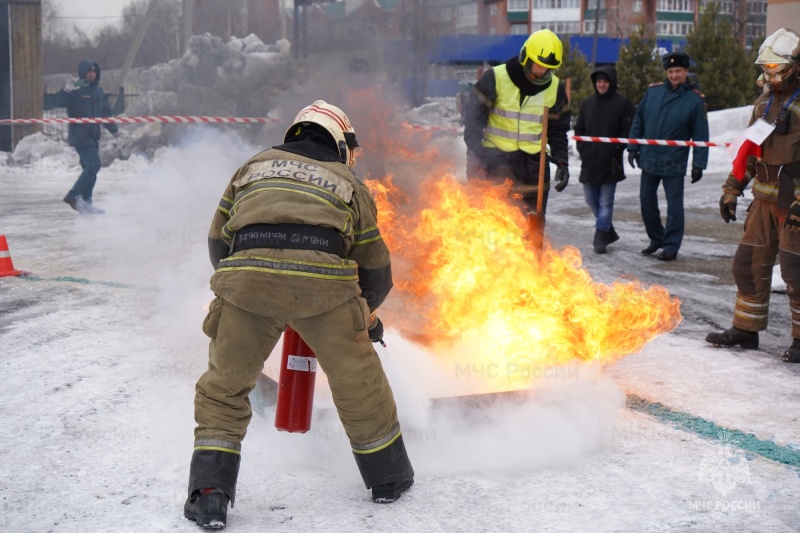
279 187
780 150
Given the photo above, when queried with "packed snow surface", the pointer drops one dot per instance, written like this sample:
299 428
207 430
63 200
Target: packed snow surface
101 347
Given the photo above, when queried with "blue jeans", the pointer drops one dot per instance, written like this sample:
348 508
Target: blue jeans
90 163
670 236
600 199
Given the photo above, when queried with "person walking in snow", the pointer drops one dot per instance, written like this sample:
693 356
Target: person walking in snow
83 98
295 242
673 109
772 225
503 119
606 113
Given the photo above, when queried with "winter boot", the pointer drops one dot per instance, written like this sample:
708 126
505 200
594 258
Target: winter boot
92 210
736 337
389 492
651 249
208 508
72 201
792 355
387 471
81 205
212 485
612 235
601 240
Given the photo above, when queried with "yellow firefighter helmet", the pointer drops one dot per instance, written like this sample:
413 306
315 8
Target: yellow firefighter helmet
544 48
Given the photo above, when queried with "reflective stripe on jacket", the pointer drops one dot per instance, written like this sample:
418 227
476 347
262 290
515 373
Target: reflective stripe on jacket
512 126
279 187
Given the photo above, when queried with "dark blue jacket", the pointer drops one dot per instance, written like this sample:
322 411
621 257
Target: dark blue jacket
89 101
677 115
603 115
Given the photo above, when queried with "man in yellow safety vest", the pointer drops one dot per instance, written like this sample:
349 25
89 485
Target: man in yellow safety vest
503 119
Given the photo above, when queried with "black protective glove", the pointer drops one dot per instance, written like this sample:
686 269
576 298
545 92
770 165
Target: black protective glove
793 217
727 203
697 174
633 159
562 177
375 330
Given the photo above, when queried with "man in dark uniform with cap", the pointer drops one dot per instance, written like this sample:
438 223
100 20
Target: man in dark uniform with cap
673 109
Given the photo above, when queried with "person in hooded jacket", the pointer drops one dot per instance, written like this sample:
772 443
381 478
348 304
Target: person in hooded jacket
604 114
83 98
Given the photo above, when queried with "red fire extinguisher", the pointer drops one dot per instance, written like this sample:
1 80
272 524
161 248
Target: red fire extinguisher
296 384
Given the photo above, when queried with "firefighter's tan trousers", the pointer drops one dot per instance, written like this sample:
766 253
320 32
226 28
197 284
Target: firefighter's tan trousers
765 238
240 343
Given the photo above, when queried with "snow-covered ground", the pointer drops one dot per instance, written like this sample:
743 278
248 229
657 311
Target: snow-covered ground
101 346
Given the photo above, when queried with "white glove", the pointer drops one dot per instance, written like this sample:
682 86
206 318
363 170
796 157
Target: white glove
74 83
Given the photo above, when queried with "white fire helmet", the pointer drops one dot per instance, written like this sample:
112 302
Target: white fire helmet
334 121
778 57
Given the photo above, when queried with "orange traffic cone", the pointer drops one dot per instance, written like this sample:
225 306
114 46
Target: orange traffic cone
6 265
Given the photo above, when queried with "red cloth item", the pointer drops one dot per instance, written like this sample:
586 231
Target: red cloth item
747 149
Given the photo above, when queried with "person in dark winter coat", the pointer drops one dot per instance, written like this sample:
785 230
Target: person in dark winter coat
673 109
503 120
604 114
83 98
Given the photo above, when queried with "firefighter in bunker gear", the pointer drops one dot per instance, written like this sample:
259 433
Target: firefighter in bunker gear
503 120
295 242
772 225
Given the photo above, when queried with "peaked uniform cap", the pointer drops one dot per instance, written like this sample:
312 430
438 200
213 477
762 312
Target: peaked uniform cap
676 59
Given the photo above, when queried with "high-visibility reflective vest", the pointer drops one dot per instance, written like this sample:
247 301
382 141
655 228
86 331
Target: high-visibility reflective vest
512 127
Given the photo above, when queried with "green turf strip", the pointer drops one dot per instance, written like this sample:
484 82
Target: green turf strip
707 428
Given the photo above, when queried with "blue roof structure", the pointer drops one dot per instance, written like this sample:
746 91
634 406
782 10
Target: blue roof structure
499 48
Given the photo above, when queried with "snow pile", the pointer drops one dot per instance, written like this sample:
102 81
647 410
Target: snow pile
239 78
36 147
436 112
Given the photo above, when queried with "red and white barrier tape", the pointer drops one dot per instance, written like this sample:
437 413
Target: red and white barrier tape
176 119
420 127
656 142
140 120
587 138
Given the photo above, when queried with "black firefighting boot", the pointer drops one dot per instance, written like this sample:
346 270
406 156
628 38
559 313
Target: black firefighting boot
208 507
792 355
389 492
601 240
734 337
387 471
212 484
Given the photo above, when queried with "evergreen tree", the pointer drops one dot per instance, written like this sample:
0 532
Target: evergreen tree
721 64
756 71
575 67
638 65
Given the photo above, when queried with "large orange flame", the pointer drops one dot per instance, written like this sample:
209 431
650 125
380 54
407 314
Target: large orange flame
470 286
464 264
